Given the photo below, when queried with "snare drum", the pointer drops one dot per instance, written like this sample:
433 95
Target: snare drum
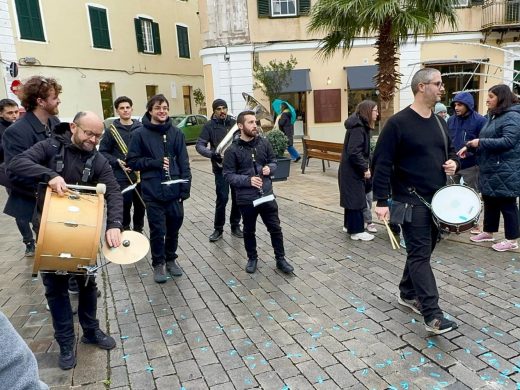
456 208
69 233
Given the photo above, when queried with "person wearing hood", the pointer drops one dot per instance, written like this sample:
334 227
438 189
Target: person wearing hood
213 133
354 169
70 156
249 164
158 151
465 126
114 146
498 157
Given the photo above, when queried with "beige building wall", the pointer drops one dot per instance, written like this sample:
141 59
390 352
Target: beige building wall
68 53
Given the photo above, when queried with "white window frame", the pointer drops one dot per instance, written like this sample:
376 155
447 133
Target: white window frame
278 4
178 46
150 43
95 5
462 3
15 13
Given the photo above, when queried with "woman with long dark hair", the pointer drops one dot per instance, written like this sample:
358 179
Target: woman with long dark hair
498 158
354 171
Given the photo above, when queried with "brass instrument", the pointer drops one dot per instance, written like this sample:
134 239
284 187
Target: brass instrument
251 104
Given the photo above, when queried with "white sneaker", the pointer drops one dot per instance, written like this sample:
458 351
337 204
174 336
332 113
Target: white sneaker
345 229
371 228
364 236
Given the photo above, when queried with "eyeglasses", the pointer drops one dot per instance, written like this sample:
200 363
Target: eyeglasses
438 84
160 108
89 133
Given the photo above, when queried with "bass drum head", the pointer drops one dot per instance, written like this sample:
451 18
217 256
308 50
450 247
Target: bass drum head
456 204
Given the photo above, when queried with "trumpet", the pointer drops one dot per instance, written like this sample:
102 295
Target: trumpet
124 149
251 104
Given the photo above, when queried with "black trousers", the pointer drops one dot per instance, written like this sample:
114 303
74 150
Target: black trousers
269 214
164 220
24 227
131 198
354 221
493 206
418 280
57 294
222 192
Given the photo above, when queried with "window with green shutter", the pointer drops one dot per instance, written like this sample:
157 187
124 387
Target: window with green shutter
29 20
147 36
183 42
283 8
99 27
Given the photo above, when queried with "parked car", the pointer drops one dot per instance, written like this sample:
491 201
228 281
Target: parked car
190 125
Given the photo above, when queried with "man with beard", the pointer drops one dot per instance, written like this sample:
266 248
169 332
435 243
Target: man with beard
158 151
213 133
41 101
114 146
8 114
248 165
413 155
71 157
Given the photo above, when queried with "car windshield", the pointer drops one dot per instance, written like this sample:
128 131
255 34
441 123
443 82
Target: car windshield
177 119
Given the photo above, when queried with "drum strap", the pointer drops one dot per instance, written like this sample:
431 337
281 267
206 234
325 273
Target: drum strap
444 137
88 168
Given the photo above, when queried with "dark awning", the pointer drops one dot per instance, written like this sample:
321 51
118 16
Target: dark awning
361 77
299 81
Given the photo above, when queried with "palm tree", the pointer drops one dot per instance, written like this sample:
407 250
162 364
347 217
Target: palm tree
392 22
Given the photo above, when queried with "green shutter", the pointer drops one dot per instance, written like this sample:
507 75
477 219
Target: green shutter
183 42
304 7
29 20
99 27
156 38
263 8
139 35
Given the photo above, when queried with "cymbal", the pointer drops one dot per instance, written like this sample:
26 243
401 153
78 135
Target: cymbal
134 246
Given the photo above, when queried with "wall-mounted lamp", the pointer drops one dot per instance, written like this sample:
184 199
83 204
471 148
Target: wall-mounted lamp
329 81
226 56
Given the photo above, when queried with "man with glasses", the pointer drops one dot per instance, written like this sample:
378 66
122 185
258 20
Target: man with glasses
213 133
413 155
158 151
40 99
70 156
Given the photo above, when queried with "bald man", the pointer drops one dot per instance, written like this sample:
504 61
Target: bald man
70 156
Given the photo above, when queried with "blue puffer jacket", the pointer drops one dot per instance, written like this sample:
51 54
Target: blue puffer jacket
498 154
465 128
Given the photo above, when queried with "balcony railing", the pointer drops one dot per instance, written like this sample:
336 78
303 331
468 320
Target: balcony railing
500 14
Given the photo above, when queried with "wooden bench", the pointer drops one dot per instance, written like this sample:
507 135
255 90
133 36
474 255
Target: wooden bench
330 151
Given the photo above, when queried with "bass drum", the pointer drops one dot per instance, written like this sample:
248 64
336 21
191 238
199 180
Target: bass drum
456 208
69 233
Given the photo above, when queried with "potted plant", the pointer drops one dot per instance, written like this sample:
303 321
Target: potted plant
278 141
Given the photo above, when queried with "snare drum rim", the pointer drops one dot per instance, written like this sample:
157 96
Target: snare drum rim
453 226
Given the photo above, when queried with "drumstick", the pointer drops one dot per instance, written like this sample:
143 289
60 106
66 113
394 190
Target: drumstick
393 240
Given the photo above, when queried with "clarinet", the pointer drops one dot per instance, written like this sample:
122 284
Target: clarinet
260 190
166 155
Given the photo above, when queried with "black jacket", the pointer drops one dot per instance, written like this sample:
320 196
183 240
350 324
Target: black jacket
239 168
112 152
213 133
146 154
3 125
354 163
38 164
284 123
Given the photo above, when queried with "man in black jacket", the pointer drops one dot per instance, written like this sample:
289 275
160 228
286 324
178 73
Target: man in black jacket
114 146
213 133
248 165
413 155
72 157
158 151
8 114
40 99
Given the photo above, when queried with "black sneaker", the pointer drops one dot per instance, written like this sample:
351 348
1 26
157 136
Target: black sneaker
159 275
440 325
67 359
409 303
237 232
297 159
173 268
73 286
215 236
99 339
251 266
284 266
30 249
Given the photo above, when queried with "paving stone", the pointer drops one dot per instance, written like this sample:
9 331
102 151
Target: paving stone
187 370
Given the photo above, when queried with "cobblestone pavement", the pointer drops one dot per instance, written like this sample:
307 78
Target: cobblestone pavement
335 324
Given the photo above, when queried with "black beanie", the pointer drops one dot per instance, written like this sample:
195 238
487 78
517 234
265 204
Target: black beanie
218 103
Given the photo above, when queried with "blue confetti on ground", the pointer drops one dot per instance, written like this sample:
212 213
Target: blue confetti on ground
124 337
33 312
149 369
169 332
